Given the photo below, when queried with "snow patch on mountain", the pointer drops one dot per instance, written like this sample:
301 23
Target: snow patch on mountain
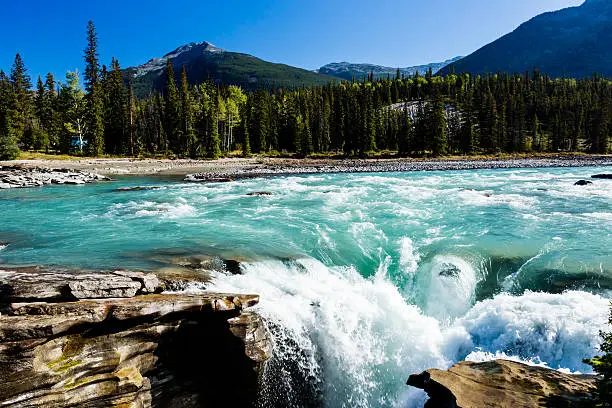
159 64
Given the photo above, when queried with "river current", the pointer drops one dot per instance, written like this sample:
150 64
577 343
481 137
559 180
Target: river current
364 278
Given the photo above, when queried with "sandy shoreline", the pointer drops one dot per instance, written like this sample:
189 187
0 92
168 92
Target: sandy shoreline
254 167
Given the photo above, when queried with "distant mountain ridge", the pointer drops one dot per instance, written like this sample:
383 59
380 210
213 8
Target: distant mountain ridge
205 61
348 70
572 42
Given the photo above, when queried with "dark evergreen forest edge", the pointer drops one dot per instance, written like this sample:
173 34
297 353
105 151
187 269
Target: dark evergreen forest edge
419 116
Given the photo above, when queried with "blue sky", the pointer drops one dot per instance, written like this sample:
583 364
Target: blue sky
50 35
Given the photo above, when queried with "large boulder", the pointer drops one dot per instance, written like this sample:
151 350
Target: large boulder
145 350
40 284
504 384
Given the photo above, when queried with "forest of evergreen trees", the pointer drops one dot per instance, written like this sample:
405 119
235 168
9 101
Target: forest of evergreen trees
454 114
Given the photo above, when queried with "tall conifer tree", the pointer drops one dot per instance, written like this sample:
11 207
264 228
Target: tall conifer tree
94 126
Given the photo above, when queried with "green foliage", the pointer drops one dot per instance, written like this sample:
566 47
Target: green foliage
94 122
8 142
172 112
115 111
415 116
602 365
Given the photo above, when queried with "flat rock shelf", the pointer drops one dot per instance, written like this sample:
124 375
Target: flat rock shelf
116 339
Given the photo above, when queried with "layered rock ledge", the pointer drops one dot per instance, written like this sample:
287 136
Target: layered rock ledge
504 384
21 177
115 339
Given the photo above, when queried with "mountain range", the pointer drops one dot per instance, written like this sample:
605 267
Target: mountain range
205 61
349 71
573 42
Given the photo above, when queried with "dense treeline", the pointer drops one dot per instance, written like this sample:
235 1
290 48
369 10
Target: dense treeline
420 115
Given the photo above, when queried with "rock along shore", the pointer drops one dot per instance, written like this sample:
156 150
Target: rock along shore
234 168
21 177
116 339
504 384
277 167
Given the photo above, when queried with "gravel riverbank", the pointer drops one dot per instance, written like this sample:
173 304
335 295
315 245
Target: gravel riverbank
236 168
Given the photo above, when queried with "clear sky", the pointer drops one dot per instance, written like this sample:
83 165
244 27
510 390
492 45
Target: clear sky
50 35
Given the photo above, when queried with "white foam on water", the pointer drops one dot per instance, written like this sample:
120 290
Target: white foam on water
490 198
409 257
368 237
605 216
140 209
358 336
446 286
558 329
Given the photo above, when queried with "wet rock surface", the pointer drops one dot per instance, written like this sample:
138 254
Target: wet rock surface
602 176
21 177
259 193
66 340
504 384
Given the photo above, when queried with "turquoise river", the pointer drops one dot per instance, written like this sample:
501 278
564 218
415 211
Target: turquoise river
364 278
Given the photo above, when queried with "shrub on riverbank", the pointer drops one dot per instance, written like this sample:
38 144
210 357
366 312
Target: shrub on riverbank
603 366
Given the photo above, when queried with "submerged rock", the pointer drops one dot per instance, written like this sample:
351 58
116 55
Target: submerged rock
504 384
260 193
139 188
207 178
583 183
602 176
148 350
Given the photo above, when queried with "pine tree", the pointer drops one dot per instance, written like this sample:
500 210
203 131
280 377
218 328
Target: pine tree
437 118
21 103
172 111
405 133
467 136
188 143
8 141
41 134
131 116
50 119
246 143
94 123
213 150
115 111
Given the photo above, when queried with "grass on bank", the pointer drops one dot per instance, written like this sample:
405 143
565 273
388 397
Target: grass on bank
382 155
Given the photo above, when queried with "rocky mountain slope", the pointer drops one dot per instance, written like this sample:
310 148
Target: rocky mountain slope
204 61
348 71
573 42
